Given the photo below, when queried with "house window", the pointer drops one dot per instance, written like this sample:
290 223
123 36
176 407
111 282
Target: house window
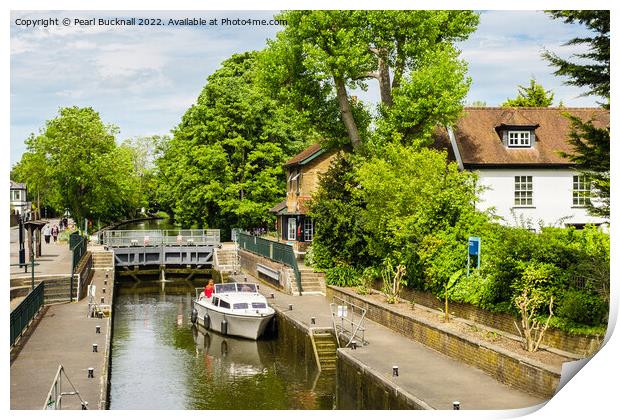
581 191
523 190
519 139
308 229
292 229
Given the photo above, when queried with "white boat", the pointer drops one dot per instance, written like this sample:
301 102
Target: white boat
233 309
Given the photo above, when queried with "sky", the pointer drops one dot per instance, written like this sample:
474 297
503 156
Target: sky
143 78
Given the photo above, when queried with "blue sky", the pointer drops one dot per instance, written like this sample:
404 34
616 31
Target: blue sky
142 79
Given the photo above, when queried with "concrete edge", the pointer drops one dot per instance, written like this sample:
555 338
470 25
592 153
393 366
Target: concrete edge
105 377
380 378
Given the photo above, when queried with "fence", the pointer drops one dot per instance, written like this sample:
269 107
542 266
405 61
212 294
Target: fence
126 238
56 394
78 245
26 311
275 251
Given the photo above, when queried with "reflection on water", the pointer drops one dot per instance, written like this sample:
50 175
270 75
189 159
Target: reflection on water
161 361
157 224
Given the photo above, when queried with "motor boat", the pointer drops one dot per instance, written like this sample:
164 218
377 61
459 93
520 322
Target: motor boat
233 309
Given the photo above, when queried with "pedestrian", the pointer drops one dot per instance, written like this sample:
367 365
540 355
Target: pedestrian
47 232
55 233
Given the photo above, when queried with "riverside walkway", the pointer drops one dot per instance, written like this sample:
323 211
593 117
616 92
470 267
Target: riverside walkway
62 334
429 376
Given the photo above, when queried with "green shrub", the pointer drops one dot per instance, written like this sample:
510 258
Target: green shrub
582 307
343 276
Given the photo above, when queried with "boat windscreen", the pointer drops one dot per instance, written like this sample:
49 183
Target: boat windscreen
225 288
246 287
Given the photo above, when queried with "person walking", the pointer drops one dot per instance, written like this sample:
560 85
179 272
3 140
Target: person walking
47 232
55 233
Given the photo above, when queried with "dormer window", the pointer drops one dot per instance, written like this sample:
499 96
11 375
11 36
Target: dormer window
519 139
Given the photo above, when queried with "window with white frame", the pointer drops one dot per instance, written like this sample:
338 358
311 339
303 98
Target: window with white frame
581 190
523 191
308 229
519 139
292 229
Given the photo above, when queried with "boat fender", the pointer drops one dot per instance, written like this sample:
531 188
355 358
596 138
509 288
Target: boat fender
207 321
194 315
224 327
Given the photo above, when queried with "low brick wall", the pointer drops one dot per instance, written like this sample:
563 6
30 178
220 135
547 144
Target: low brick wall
509 368
248 262
583 345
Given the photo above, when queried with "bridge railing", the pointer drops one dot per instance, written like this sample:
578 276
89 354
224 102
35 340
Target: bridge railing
275 251
127 238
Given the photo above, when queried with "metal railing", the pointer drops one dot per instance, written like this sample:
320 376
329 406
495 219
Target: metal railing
348 319
275 251
26 311
79 247
127 238
54 397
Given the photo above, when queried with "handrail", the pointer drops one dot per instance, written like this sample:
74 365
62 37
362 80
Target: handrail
341 310
128 238
26 311
53 401
272 250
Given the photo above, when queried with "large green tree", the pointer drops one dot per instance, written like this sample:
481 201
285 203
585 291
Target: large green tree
223 166
76 164
348 49
590 70
533 95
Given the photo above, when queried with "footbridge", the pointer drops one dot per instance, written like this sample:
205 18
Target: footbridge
188 247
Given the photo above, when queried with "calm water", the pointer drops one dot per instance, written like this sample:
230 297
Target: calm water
149 225
160 361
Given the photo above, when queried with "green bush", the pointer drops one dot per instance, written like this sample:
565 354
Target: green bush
582 307
343 276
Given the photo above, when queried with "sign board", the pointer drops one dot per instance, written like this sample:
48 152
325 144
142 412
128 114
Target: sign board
342 311
474 245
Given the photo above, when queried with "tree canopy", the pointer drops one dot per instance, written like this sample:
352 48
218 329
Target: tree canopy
399 50
223 166
75 164
533 95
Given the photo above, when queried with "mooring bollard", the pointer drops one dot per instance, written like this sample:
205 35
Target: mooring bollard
456 405
84 405
313 320
354 346
103 290
290 307
97 329
394 370
91 372
245 279
94 348
102 299
105 282
272 296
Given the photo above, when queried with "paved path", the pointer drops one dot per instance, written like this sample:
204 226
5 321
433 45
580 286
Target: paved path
65 335
55 257
425 373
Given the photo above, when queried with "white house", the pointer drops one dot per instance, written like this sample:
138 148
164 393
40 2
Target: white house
19 199
515 153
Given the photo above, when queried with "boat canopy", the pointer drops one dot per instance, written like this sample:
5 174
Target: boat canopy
235 288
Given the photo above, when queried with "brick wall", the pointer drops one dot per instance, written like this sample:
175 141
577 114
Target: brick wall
248 262
582 345
358 388
506 367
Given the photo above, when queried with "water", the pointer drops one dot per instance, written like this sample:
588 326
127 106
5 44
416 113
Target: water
161 361
158 224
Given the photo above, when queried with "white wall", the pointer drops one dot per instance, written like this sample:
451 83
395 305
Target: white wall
552 197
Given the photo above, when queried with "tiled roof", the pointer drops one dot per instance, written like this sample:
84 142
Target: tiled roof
303 155
278 207
480 143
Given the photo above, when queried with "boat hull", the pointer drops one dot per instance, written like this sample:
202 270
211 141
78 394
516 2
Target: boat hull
246 326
